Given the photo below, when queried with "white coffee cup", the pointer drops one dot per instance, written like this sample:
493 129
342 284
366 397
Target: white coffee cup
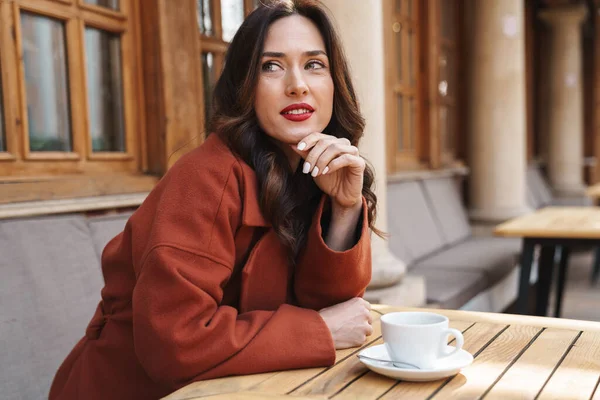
418 338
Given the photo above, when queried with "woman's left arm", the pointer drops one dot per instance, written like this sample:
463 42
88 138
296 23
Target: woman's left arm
341 234
335 266
325 276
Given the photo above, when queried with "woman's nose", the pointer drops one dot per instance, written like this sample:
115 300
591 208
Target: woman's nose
296 85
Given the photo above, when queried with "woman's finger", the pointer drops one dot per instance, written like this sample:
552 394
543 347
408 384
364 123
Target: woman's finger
333 151
314 154
346 160
311 140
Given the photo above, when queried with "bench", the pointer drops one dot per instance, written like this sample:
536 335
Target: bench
50 287
430 232
539 193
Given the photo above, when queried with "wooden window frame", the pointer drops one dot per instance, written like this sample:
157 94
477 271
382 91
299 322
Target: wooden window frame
28 176
215 44
439 156
407 159
428 152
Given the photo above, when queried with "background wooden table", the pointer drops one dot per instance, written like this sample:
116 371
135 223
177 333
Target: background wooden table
594 193
516 356
553 229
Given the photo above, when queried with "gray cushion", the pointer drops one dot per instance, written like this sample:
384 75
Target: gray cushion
104 228
539 187
494 257
580 201
451 289
448 209
532 200
49 290
413 230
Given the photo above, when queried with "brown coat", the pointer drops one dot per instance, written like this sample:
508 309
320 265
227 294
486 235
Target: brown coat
198 287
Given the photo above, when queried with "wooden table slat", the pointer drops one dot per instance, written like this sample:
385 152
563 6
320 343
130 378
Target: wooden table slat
552 222
577 376
476 339
596 395
218 386
530 372
254 396
489 364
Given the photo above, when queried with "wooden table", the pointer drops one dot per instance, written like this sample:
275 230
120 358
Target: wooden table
515 357
553 228
594 193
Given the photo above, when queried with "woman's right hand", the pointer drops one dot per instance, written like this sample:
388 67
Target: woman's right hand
349 322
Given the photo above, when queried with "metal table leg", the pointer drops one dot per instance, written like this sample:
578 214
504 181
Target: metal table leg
545 272
526 261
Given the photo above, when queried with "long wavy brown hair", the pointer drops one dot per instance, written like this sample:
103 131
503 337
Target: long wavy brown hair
288 199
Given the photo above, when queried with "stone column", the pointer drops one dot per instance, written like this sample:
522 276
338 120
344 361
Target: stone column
360 27
565 103
497 131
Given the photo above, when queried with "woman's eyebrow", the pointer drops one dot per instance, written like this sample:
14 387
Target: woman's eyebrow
311 53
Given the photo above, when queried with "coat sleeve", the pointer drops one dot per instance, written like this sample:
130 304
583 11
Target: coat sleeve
325 277
182 334
181 331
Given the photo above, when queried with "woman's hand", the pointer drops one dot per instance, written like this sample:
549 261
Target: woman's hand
336 166
349 322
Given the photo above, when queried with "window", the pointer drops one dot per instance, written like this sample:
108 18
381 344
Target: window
422 48
218 21
68 108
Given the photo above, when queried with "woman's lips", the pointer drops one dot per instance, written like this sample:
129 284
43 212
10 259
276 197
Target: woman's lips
298 117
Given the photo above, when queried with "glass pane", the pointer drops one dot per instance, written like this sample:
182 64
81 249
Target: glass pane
400 121
399 55
205 17
450 131
46 85
256 3
446 130
412 117
447 17
232 16
412 59
446 72
112 4
208 71
105 90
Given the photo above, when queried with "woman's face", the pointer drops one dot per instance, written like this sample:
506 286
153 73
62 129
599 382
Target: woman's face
294 96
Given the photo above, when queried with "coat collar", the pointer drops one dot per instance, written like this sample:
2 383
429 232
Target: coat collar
251 213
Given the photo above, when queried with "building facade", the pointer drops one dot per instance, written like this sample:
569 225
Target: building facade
100 97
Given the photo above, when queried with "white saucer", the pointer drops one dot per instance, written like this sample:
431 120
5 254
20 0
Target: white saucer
446 367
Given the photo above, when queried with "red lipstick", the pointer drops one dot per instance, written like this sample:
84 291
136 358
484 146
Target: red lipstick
306 111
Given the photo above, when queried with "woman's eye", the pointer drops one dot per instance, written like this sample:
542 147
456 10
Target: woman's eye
270 67
315 65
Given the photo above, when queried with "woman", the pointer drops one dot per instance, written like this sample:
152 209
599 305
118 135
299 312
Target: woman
244 258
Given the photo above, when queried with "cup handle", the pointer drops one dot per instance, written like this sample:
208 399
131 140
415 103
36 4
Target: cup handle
460 341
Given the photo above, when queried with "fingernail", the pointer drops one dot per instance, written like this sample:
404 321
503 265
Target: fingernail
326 170
301 146
306 168
315 172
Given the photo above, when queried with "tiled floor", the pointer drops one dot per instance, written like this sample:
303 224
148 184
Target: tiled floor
581 299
